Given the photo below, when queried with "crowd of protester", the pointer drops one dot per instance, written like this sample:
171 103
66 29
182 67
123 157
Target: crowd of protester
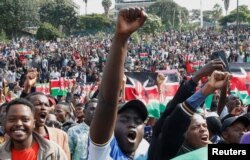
39 126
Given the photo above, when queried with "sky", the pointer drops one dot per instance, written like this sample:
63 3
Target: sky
95 6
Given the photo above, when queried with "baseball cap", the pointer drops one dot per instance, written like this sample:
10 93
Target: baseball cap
52 100
136 104
231 120
214 124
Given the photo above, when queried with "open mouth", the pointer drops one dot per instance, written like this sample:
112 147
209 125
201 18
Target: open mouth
131 136
43 115
204 138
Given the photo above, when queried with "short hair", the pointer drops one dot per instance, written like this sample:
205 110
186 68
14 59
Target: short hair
20 101
94 100
3 106
63 103
67 105
80 105
29 96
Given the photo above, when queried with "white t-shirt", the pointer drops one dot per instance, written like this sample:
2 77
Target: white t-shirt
55 75
44 63
111 151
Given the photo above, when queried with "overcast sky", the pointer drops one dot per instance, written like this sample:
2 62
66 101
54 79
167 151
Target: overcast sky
95 6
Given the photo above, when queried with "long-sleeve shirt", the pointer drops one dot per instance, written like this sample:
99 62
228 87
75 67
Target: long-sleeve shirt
168 134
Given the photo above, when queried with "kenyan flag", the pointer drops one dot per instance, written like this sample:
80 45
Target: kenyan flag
143 55
240 86
59 87
43 87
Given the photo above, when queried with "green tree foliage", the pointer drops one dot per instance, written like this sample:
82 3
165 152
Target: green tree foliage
16 15
211 16
152 25
95 23
190 26
216 12
194 15
208 16
244 16
59 14
3 37
47 32
106 5
135 38
171 13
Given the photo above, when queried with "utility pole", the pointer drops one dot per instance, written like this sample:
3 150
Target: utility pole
180 20
201 14
86 6
173 18
237 28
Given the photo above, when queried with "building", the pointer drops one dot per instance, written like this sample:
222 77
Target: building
132 3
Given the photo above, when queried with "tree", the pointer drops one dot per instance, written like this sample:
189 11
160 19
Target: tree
244 14
3 37
16 15
95 23
47 32
135 38
59 14
208 16
194 15
171 13
152 25
217 12
106 5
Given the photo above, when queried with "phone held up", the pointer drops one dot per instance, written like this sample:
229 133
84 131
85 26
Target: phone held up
221 55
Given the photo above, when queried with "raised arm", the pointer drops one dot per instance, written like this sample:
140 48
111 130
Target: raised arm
30 81
222 100
172 136
187 89
102 126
